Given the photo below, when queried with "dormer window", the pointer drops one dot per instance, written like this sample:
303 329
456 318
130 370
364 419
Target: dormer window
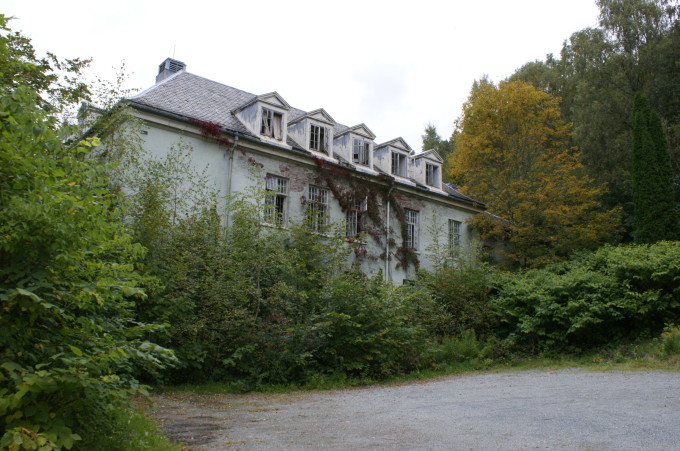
271 124
361 151
318 138
432 175
399 164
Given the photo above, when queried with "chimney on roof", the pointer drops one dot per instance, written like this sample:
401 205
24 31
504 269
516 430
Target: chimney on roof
168 67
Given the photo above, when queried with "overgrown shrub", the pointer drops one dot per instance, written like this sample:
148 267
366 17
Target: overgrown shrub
460 298
68 284
249 303
615 293
670 340
365 328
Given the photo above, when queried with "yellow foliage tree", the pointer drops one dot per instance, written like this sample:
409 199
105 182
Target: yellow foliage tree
513 152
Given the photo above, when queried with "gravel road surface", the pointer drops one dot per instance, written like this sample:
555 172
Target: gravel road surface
563 409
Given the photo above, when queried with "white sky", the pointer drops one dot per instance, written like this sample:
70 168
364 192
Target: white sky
394 65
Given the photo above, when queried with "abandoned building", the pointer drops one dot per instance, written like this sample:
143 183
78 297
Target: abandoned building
395 210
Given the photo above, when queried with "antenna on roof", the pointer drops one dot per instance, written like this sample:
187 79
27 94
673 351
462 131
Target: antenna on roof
173 50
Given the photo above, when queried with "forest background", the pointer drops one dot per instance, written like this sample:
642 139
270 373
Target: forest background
103 289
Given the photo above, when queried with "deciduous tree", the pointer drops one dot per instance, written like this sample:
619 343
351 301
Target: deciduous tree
635 49
69 343
513 152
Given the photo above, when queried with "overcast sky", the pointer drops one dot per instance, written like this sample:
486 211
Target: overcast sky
394 65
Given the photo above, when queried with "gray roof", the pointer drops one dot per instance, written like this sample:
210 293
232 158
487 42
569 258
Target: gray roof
196 98
452 191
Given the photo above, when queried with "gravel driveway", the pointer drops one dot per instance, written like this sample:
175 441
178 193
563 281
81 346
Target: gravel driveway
563 409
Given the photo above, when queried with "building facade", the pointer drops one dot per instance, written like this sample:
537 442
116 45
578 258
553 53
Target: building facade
391 202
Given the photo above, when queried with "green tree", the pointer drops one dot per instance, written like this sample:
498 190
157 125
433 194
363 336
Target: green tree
69 342
67 285
599 70
59 83
656 216
513 151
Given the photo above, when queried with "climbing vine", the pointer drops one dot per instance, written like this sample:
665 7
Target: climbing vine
347 188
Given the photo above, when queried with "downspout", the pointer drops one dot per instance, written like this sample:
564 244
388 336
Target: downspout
387 236
229 176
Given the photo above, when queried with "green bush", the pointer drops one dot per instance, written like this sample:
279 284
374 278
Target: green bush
615 293
460 298
365 328
670 340
68 285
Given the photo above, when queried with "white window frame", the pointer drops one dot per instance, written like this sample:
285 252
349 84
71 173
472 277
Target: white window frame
319 138
399 164
411 217
455 228
361 151
271 125
318 203
355 217
276 200
432 175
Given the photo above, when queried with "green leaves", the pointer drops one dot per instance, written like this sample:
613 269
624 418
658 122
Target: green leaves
655 215
67 282
513 151
614 293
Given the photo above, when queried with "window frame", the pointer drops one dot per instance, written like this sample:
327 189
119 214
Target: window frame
276 200
355 217
432 175
412 220
319 137
455 231
400 168
268 123
364 150
318 207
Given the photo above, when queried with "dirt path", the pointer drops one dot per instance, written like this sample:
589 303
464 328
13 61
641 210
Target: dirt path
565 409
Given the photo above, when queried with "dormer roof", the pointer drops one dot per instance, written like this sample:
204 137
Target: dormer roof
320 115
361 130
271 98
398 143
432 155
189 98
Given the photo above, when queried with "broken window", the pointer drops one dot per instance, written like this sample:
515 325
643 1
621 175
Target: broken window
271 124
431 175
411 217
398 164
361 151
454 237
317 208
275 200
318 138
355 217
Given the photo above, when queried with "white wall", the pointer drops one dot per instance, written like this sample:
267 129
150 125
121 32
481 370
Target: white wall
301 171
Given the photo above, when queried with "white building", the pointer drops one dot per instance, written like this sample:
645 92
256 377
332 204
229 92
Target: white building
391 199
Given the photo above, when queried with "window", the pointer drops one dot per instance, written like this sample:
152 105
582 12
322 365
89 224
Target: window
411 217
275 200
431 175
318 138
361 151
355 218
317 208
454 237
271 124
399 164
